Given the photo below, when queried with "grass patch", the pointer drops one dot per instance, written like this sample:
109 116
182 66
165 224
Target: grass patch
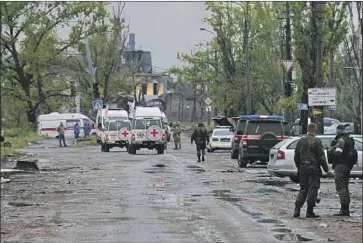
19 139
81 142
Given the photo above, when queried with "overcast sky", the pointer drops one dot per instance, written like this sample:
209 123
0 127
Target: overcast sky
165 28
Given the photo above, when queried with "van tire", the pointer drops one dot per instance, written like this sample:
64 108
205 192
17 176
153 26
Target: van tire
102 148
161 151
132 149
107 148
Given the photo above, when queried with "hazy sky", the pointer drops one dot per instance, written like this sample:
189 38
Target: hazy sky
165 28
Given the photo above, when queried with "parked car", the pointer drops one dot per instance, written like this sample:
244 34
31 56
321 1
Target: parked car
220 140
261 133
328 122
281 163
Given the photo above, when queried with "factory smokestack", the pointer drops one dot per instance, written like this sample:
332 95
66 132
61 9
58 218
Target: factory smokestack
132 42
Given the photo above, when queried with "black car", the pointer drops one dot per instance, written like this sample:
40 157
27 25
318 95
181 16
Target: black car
260 134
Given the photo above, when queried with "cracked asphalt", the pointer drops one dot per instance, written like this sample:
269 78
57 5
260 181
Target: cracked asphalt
84 195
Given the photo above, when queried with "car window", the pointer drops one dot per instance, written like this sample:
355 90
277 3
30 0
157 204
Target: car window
358 145
335 122
145 124
261 127
222 132
281 143
326 142
292 145
241 126
327 123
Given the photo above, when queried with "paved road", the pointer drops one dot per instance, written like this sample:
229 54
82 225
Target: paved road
83 195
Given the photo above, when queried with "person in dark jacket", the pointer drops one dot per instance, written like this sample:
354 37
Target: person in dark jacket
343 156
76 130
309 157
201 138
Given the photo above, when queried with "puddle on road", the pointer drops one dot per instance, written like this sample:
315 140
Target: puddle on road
196 168
291 237
23 204
224 196
159 165
268 190
281 230
269 221
270 182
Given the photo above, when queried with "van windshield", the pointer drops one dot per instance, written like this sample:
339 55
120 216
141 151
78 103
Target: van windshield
124 123
145 124
112 126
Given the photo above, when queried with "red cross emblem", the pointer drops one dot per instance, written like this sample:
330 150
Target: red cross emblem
125 133
154 132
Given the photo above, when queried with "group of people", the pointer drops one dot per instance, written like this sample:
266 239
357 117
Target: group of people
310 157
76 131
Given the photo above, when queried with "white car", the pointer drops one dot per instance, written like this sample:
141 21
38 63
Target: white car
221 139
281 163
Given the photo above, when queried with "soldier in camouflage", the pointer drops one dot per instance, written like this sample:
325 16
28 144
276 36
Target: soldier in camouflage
201 138
176 136
309 157
343 157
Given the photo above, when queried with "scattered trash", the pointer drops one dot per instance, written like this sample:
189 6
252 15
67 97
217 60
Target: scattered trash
330 239
323 225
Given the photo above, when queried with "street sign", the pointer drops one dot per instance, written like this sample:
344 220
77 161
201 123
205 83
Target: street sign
208 108
208 101
332 107
322 96
287 64
97 104
302 107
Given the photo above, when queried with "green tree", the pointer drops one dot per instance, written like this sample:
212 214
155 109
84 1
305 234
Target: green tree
30 45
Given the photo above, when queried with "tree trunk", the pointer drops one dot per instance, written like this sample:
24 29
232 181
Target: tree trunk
31 114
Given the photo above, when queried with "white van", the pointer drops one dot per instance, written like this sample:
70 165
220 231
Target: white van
147 130
48 124
107 114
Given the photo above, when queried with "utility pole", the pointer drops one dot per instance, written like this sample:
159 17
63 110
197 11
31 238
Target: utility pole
317 21
361 75
288 85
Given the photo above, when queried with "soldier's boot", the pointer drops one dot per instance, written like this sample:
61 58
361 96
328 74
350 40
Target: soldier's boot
344 210
297 212
198 158
202 157
310 213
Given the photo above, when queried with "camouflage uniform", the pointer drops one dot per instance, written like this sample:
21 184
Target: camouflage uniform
176 136
343 157
309 156
201 138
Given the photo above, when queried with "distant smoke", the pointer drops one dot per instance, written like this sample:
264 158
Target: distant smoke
132 42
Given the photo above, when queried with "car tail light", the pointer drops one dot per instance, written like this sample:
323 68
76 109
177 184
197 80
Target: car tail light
282 137
235 137
164 137
244 140
280 154
133 137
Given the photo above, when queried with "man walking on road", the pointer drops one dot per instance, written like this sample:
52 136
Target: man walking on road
343 156
201 138
176 136
309 156
61 138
